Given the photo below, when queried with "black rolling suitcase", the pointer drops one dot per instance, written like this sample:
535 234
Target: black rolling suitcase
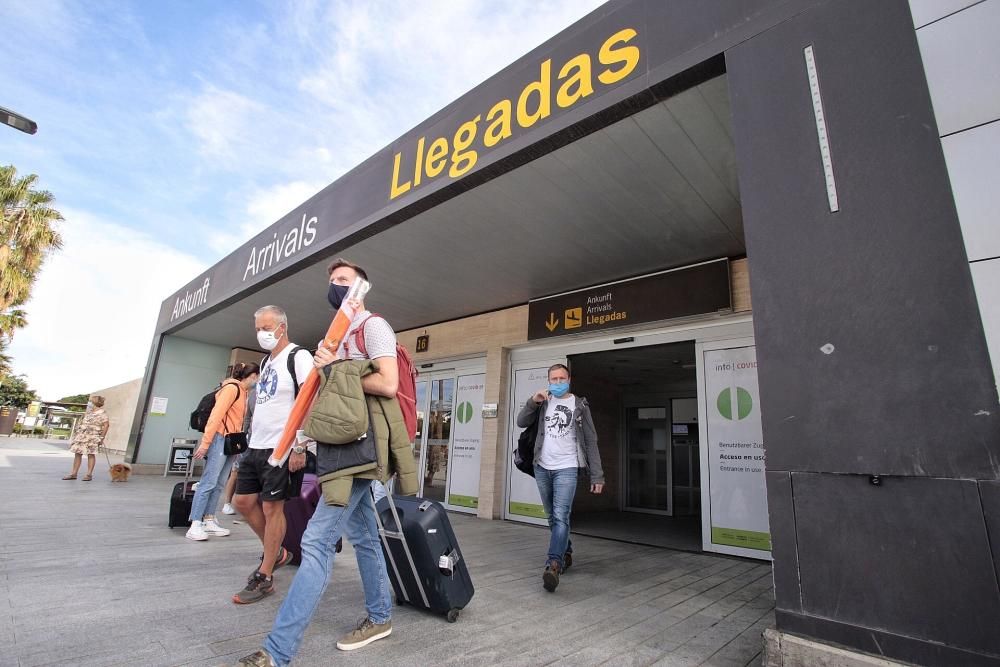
180 500
424 561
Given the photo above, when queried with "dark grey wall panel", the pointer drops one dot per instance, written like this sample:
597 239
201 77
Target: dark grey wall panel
910 557
878 642
908 387
989 493
784 551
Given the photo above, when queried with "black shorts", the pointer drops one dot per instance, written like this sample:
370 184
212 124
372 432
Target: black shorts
256 475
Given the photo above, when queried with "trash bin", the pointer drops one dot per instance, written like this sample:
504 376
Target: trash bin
8 416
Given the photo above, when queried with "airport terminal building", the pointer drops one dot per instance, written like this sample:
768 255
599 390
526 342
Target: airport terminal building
755 232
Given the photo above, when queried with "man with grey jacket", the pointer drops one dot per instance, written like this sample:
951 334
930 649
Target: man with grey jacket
566 442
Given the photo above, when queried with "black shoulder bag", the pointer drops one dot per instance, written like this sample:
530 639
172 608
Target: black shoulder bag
524 455
235 443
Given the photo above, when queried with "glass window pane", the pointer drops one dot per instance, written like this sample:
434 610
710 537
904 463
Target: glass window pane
442 400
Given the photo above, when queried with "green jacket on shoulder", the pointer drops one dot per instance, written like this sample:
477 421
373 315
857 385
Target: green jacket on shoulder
342 411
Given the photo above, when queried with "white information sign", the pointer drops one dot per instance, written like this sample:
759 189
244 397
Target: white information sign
737 492
467 440
158 406
524 503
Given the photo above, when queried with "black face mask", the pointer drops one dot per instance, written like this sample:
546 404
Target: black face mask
336 295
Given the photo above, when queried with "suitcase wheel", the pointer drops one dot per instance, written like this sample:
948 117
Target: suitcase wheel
452 615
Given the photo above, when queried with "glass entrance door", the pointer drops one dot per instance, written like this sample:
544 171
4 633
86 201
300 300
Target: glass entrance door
449 435
648 473
441 404
418 440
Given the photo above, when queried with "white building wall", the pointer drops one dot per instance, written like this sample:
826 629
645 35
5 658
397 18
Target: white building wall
960 45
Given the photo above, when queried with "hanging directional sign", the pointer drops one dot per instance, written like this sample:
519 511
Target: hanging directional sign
693 290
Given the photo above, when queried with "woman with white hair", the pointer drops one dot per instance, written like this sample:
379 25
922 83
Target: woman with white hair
89 436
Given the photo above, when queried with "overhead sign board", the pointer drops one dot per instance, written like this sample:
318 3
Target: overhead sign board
693 290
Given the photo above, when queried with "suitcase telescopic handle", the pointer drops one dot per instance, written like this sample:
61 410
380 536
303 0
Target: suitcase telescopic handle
398 535
188 475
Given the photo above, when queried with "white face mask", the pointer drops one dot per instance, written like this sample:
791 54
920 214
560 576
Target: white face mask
268 340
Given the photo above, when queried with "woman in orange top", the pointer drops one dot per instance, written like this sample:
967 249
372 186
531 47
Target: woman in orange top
226 417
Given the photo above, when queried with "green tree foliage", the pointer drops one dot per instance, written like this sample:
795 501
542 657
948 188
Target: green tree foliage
75 398
15 391
11 321
27 236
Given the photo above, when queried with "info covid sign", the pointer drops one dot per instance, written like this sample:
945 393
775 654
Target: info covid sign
735 445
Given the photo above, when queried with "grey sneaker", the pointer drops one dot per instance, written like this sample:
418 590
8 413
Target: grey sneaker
259 659
363 635
258 587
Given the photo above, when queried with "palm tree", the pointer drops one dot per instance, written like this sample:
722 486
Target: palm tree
5 361
11 321
26 235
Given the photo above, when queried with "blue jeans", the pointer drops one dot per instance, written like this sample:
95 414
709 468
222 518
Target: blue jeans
213 480
557 488
357 521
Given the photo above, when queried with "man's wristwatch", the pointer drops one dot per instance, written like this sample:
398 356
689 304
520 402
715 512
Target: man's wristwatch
299 449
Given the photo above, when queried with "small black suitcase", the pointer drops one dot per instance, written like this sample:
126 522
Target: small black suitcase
181 498
424 561
180 504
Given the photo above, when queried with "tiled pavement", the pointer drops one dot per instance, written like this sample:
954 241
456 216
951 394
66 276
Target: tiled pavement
90 575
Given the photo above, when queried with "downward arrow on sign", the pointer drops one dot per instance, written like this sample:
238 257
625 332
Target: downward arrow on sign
552 323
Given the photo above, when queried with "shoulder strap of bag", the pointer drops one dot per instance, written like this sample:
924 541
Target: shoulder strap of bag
239 390
290 362
359 335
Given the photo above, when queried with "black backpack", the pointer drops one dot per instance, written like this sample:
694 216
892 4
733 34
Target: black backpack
524 455
199 418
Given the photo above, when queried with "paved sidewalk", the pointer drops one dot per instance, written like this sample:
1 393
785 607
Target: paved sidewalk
91 575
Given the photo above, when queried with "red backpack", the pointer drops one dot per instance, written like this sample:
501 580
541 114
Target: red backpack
406 394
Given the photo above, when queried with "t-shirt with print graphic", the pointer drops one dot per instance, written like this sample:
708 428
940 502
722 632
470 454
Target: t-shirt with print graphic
380 339
559 445
275 396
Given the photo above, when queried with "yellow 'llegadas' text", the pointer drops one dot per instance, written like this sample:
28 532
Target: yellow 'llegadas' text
574 81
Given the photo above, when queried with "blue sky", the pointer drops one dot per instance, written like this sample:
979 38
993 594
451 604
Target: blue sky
170 132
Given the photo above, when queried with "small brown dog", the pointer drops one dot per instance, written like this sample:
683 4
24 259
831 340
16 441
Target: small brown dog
120 472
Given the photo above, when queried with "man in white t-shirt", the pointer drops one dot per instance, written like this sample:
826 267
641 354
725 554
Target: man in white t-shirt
566 442
276 392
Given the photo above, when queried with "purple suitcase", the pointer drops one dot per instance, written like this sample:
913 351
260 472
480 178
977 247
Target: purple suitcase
298 511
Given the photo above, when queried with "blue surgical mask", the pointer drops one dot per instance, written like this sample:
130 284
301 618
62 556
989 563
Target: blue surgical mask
558 389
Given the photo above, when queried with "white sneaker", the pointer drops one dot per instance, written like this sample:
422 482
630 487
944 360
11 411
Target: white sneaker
228 509
213 528
197 532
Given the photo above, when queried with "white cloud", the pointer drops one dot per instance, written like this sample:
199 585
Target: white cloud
265 206
92 313
224 123
329 84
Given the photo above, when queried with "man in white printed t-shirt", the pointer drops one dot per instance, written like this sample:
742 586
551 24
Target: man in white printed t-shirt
566 442
275 396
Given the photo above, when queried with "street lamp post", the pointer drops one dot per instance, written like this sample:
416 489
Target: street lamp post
17 121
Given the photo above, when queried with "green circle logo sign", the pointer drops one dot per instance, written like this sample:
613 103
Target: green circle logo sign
744 403
464 412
